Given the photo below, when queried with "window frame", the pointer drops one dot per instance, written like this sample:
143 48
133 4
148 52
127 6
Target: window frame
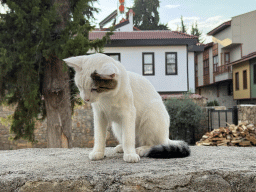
226 53
206 67
254 73
215 65
176 63
153 63
119 55
237 81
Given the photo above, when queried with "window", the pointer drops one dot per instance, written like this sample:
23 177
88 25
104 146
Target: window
148 64
206 67
254 73
215 63
237 81
171 63
226 58
230 89
245 79
115 56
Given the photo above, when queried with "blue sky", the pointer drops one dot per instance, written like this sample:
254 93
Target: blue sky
208 14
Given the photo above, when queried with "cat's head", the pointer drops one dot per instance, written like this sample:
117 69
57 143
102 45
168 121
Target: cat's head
96 75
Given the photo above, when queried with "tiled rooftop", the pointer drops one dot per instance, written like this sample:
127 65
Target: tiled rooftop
163 34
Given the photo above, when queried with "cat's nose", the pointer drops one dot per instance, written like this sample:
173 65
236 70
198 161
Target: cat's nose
87 100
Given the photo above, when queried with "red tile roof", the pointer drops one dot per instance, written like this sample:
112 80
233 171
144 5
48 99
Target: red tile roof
220 28
244 58
163 34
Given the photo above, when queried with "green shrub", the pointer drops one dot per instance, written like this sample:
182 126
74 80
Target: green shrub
185 118
213 103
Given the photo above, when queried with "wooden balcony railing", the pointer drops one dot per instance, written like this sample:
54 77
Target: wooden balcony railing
223 69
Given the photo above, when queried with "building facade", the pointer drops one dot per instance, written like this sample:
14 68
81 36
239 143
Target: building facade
231 41
244 76
165 58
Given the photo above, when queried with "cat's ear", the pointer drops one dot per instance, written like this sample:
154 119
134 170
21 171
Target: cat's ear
108 71
75 62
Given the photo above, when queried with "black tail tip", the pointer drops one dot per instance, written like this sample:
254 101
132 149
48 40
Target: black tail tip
178 150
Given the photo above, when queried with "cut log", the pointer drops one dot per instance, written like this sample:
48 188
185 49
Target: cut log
233 135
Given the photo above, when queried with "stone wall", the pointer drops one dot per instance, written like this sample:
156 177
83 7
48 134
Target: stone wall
82 130
196 98
224 99
247 113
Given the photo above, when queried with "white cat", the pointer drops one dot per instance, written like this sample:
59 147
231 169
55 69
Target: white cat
130 104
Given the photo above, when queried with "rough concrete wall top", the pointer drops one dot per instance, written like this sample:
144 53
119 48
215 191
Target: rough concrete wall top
207 169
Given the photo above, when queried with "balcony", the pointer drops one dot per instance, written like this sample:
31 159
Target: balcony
223 73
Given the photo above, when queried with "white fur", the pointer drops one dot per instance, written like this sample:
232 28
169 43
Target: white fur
134 109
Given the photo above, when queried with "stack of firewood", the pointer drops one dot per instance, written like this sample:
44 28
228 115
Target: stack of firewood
233 135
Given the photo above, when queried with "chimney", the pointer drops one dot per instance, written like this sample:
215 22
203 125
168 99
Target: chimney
130 15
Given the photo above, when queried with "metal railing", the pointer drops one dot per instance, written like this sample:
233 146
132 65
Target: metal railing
220 120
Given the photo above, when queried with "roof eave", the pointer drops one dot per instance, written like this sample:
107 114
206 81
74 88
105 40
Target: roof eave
108 18
242 60
150 42
219 28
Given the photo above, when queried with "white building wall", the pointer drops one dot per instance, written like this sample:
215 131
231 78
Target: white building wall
191 71
223 38
235 53
131 58
125 28
243 31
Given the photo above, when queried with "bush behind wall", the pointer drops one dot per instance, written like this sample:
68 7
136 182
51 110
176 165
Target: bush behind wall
185 119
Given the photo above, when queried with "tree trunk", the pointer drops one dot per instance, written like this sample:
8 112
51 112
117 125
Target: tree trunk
57 91
58 104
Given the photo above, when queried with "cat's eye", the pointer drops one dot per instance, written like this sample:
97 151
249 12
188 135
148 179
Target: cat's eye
93 89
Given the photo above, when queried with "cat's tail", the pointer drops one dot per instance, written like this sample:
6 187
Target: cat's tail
174 149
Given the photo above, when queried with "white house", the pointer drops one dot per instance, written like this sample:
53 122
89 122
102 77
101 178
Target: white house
165 58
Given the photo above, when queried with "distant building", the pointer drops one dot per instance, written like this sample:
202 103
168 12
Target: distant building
227 60
165 58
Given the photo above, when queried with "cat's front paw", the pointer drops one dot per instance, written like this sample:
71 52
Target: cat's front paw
131 158
119 149
94 156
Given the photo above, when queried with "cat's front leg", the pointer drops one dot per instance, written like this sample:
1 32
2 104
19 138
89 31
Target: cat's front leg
128 137
100 129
